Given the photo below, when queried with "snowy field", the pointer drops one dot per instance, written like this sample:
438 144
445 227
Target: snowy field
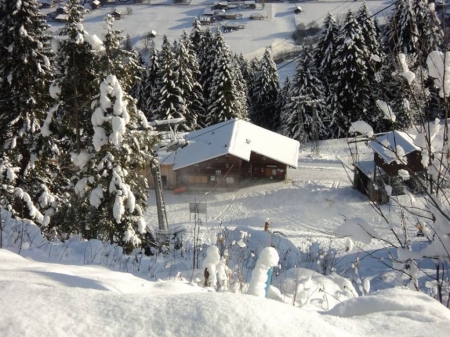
169 19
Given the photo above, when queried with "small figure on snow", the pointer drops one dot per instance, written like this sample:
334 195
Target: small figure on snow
266 225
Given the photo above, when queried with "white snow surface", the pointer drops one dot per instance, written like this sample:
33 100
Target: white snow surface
51 299
238 138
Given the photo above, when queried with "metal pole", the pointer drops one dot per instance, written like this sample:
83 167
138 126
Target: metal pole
160 205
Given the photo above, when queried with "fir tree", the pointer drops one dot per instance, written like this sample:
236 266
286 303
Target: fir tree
110 195
284 102
147 100
188 74
351 91
266 91
77 66
371 39
76 78
253 69
115 60
303 115
196 35
242 90
207 54
170 101
326 47
401 34
224 98
26 170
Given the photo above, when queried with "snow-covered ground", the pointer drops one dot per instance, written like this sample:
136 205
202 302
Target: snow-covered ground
49 299
49 293
166 18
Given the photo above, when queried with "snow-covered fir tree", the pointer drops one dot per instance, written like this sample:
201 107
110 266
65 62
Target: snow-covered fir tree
351 95
188 75
373 56
401 34
196 35
26 167
146 93
325 49
284 101
169 96
428 27
265 93
115 60
372 44
110 193
206 54
77 67
304 110
224 99
253 69
241 86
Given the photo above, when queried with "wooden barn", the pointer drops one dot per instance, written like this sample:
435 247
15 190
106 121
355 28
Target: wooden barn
258 16
220 5
387 160
371 176
226 154
116 14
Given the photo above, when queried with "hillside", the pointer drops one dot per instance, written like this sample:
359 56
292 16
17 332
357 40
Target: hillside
170 19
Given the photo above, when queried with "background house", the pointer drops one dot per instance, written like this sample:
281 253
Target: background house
392 151
226 154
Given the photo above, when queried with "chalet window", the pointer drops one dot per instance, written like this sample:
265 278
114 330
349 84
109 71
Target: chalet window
213 178
229 180
227 165
218 172
185 179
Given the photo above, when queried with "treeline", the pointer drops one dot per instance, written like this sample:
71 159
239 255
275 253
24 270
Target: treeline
75 110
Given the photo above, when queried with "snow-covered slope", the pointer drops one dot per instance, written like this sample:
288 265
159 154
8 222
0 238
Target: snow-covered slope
42 299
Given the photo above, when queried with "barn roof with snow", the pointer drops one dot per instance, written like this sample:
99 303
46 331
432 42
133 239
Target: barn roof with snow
389 141
238 138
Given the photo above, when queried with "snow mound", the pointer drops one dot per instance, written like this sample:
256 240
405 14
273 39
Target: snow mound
415 305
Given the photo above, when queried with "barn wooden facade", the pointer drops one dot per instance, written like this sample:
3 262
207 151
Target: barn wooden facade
222 157
371 176
387 160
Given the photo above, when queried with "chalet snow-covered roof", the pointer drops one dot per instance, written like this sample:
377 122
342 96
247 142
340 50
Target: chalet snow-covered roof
238 138
389 141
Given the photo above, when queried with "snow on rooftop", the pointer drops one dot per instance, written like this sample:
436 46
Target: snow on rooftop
237 138
392 140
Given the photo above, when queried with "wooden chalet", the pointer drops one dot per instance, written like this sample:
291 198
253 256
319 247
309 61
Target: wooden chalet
258 16
371 176
206 20
61 17
249 4
209 12
229 16
116 14
225 155
95 4
387 160
220 5
232 26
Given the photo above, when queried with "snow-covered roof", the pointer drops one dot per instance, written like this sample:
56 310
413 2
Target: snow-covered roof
390 141
238 138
